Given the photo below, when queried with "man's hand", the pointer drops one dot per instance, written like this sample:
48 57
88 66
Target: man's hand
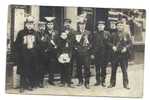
124 50
45 50
76 48
92 57
114 48
55 46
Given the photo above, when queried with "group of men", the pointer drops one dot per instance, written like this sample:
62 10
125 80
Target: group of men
39 52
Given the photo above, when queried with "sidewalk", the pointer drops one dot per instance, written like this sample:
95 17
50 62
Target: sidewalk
135 74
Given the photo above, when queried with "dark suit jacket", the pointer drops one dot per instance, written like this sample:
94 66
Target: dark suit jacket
80 47
101 41
22 51
121 40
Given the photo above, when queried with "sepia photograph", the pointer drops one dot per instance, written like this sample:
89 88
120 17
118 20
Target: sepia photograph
75 51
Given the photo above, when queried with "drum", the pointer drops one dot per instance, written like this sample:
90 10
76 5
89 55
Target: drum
64 58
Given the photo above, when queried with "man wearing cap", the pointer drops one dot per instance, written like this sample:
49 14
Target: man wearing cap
101 39
120 43
42 53
26 54
65 49
69 30
71 37
52 48
83 47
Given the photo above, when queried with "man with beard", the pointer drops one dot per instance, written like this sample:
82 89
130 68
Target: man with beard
42 53
52 48
26 54
120 43
101 52
83 47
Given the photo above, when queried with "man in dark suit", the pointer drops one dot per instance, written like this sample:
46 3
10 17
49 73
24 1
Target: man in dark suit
121 43
64 55
71 36
26 55
42 53
101 54
52 48
83 47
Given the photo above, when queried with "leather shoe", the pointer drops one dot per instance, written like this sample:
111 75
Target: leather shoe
62 84
21 90
71 86
96 84
126 87
51 83
87 86
111 86
80 84
103 84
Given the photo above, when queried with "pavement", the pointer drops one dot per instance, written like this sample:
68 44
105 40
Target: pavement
135 74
